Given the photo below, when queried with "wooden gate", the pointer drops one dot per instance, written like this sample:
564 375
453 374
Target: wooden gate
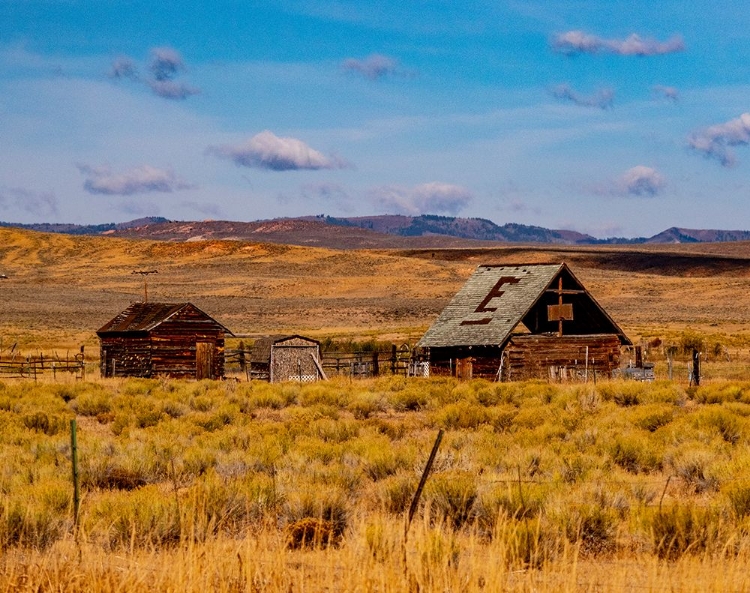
204 360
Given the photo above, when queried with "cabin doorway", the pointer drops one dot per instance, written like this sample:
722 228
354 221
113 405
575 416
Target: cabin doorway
204 360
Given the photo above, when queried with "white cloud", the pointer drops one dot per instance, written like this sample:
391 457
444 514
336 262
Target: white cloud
714 141
639 181
143 179
268 151
428 198
578 42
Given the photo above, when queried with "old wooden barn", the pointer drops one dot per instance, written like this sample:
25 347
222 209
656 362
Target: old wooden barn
515 322
152 339
286 358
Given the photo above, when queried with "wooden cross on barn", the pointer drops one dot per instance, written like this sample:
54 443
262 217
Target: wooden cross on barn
561 311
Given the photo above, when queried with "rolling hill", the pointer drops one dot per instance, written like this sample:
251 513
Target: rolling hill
373 232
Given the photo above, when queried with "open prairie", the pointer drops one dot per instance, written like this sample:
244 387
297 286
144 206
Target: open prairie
60 289
245 486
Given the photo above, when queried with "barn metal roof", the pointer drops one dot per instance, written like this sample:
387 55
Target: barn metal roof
143 317
495 299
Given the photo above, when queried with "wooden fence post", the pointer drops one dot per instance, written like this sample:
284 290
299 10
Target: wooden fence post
418 493
423 480
74 460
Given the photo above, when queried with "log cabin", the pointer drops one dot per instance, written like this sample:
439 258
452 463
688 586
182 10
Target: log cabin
162 339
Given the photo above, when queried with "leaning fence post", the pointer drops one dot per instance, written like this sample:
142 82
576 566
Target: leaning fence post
423 480
74 459
418 493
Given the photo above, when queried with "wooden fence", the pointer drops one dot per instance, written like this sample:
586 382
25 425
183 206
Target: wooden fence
16 366
397 361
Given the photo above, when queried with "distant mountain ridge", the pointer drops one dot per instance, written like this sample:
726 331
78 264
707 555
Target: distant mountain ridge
479 229
85 229
371 232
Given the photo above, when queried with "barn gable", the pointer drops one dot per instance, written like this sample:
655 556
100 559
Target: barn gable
497 299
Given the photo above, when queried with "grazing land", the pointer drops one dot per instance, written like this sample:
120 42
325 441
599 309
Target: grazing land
60 288
255 487
236 486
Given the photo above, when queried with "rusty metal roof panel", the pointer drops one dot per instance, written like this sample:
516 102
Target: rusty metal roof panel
144 317
141 317
490 305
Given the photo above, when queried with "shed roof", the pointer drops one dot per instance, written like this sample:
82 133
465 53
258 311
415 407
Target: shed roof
261 351
496 299
144 317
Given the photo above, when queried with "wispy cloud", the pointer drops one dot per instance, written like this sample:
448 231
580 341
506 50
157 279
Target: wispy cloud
715 141
268 151
639 181
138 208
16 198
669 93
205 208
603 99
580 42
428 198
124 67
373 67
332 193
164 66
143 179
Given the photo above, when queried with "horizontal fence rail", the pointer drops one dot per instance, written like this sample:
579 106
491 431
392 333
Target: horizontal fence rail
31 367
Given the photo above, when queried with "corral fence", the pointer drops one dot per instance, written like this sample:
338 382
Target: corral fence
357 365
14 365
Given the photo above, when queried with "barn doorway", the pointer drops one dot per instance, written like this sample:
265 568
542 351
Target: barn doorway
204 360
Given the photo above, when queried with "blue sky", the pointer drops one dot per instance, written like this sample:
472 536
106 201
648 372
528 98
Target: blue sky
612 118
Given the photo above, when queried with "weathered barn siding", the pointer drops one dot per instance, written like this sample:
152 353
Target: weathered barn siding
544 356
516 322
152 339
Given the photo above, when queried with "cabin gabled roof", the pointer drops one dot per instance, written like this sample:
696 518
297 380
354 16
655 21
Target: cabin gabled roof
496 299
144 317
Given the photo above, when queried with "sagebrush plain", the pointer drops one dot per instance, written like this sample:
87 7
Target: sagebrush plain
236 486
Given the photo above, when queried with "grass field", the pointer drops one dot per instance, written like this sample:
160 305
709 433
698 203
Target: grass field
216 485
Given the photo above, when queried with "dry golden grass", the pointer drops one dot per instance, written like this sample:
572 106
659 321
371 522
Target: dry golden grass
365 439
195 486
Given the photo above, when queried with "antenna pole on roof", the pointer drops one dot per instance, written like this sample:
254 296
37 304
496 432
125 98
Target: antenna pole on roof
145 274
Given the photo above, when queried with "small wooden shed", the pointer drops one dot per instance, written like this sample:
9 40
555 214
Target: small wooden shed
287 358
174 340
512 322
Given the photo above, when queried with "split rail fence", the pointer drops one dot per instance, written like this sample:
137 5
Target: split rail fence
17 366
